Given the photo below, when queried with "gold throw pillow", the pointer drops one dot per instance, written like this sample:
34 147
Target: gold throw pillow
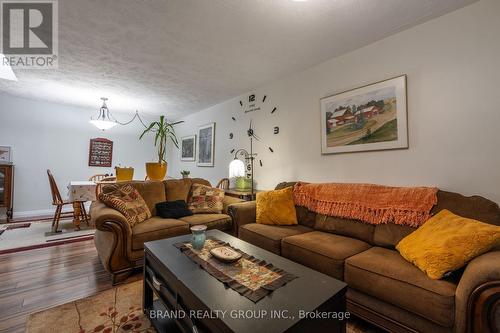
447 242
129 202
276 207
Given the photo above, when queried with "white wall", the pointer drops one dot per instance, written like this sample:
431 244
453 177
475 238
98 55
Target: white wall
53 136
453 68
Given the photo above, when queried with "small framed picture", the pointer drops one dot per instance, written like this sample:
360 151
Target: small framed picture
188 148
4 155
206 145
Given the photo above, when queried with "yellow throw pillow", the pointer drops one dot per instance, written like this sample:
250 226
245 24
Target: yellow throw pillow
447 242
276 207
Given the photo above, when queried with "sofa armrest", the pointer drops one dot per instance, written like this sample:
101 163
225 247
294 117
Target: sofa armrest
242 213
102 216
478 294
229 201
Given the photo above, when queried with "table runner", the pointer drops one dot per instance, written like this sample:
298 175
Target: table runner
249 276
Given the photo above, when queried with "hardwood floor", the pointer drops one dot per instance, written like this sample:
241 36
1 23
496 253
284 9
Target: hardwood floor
35 280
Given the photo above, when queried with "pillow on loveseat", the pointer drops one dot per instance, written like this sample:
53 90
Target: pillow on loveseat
447 242
206 199
129 202
173 209
276 207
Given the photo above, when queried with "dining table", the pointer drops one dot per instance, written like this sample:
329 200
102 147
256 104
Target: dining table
78 193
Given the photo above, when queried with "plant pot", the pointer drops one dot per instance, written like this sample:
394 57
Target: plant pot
124 174
156 171
243 184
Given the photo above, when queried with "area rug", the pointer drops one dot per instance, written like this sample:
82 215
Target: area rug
112 311
116 310
15 237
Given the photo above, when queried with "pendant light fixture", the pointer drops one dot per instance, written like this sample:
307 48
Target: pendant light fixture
103 121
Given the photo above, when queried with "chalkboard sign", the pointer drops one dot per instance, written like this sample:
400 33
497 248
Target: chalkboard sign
101 152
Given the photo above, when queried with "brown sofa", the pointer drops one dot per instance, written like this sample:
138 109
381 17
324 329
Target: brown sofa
121 248
384 288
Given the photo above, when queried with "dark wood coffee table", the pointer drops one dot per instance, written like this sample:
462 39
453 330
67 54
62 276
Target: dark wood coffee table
182 287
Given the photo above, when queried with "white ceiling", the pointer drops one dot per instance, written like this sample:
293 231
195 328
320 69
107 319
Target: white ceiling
181 56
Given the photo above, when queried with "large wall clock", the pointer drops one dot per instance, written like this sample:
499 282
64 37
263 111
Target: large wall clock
252 107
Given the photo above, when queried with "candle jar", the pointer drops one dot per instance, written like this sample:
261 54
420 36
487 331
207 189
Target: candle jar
198 236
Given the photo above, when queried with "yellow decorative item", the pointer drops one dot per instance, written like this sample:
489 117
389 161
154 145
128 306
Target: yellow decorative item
447 242
156 171
124 174
276 207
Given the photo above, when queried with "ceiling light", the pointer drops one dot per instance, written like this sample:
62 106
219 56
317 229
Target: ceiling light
103 121
6 71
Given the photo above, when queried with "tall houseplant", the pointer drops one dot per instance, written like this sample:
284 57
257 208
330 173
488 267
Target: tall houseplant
163 131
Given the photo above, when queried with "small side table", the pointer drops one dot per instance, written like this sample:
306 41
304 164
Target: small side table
78 193
245 195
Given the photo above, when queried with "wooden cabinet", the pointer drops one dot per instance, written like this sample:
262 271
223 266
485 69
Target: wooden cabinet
6 188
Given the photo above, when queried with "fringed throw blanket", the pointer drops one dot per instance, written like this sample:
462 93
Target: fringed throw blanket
373 204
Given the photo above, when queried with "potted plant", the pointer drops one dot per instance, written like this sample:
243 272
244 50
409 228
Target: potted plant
162 131
185 173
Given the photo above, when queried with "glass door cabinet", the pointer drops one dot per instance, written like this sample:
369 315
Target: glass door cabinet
6 186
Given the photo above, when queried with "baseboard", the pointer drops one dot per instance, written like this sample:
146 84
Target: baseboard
42 212
38 212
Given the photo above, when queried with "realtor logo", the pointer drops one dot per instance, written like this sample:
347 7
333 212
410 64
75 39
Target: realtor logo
29 34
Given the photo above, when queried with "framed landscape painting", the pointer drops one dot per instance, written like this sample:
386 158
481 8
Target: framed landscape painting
206 145
188 148
373 117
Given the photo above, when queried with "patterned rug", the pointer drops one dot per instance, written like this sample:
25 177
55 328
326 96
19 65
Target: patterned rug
116 310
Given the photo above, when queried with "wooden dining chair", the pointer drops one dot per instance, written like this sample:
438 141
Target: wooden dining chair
60 203
223 184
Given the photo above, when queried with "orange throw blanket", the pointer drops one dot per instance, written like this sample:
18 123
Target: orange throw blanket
373 204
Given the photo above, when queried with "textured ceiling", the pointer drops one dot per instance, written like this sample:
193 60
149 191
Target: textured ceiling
181 56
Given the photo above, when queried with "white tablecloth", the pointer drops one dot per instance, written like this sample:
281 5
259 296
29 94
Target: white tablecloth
81 191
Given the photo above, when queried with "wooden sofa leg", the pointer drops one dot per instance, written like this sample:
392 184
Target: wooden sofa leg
121 276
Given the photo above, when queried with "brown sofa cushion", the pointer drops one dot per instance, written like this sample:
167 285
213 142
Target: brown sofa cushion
269 237
345 227
157 228
177 189
390 234
305 216
384 274
212 221
474 207
322 251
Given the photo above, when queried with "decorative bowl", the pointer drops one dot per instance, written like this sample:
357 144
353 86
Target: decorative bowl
225 254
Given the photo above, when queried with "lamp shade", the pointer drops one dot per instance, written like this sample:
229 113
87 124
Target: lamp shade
236 168
103 124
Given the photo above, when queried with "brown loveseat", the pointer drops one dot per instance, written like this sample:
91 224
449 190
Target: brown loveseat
384 288
121 248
